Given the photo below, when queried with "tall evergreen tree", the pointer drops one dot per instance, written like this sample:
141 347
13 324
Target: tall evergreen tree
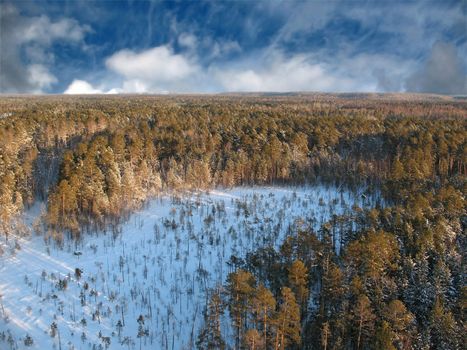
298 282
287 322
240 289
264 305
210 336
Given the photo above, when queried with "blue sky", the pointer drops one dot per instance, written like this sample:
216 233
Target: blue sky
141 46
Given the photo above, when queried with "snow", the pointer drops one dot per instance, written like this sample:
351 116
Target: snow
160 265
6 115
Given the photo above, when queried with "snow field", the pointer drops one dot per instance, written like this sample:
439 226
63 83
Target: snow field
160 265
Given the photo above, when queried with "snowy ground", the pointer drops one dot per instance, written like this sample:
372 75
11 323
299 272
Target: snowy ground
6 115
160 266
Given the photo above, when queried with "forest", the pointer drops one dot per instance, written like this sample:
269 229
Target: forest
386 276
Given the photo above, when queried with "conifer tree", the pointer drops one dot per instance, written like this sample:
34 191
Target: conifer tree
240 289
384 337
210 336
363 320
253 340
264 305
401 322
287 322
298 281
444 330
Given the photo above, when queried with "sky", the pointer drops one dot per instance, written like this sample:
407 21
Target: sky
138 46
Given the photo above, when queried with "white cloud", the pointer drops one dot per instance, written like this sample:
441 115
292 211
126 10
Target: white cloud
188 40
218 49
209 62
114 91
155 69
302 16
207 46
25 46
160 70
43 30
296 73
81 87
40 76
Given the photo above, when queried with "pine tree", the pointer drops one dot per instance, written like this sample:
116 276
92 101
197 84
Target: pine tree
28 341
142 332
298 282
287 322
444 330
119 327
363 320
210 336
384 337
397 171
253 340
332 289
264 306
419 295
401 322
240 288
53 329
375 258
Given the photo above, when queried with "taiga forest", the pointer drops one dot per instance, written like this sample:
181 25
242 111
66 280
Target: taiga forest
233 221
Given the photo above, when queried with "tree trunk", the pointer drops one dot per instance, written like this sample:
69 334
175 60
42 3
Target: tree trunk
359 332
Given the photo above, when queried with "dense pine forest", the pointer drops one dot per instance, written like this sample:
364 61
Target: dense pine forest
388 277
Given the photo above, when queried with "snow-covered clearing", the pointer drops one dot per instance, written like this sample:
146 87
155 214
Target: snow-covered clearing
160 266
